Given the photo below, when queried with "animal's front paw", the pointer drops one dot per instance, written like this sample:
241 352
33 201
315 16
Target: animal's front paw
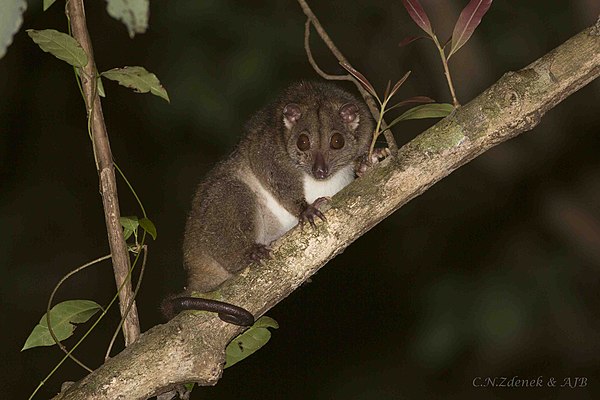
311 211
366 162
259 252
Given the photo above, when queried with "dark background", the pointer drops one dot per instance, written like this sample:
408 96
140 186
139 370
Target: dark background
492 272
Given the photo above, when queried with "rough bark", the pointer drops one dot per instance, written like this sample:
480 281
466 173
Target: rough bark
191 346
106 173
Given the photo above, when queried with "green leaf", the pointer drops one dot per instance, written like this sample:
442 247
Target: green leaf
266 322
189 386
133 13
127 233
60 45
130 223
11 19
435 110
100 87
148 226
62 316
130 226
138 79
250 341
48 4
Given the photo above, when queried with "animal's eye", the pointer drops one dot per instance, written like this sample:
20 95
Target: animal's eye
303 142
337 141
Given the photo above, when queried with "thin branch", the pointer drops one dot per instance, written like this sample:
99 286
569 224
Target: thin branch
106 172
373 107
322 33
312 61
190 348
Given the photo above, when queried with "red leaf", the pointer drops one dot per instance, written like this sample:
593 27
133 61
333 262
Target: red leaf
446 42
387 91
469 19
399 83
416 12
409 39
361 78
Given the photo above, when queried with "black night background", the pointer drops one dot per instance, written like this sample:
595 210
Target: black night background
493 272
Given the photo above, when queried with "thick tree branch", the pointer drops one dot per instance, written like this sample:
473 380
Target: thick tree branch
106 172
373 107
191 346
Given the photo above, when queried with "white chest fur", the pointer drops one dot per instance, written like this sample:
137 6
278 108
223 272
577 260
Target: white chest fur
314 188
272 219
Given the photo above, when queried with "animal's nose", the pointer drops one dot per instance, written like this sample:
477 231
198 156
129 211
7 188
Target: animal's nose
320 169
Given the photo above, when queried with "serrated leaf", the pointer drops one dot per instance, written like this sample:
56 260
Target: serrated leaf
417 13
469 19
48 4
361 78
11 19
133 13
148 226
138 79
60 45
436 110
250 341
62 317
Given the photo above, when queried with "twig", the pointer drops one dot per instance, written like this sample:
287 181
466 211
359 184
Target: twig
49 307
105 167
312 18
445 60
312 61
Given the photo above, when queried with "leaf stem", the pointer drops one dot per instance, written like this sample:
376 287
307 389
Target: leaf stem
49 307
378 127
131 189
440 48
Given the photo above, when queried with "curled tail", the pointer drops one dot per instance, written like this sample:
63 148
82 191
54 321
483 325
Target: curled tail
172 306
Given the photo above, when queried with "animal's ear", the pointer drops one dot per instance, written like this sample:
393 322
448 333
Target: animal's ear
350 116
291 115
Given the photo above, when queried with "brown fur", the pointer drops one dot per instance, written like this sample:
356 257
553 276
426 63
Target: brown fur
221 229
